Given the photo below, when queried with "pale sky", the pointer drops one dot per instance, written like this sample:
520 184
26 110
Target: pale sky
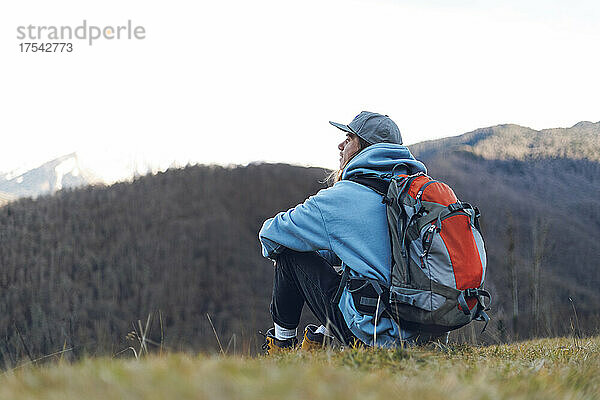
233 82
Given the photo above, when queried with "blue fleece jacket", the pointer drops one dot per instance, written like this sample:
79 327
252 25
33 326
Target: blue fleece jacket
349 221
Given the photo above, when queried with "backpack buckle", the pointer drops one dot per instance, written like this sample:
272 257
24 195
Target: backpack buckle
387 201
455 206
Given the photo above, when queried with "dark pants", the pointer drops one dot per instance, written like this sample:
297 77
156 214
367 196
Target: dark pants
307 278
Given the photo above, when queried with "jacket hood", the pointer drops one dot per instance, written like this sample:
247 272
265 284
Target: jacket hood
382 158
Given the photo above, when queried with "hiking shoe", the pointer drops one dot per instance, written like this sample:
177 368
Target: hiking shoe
313 340
272 345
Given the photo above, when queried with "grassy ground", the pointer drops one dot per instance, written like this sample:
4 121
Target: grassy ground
541 369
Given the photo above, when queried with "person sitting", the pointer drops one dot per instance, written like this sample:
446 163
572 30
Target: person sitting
345 224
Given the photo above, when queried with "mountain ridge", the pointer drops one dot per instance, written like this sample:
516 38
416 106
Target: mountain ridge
515 142
583 140
48 178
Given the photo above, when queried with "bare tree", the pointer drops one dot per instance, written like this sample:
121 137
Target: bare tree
512 268
539 233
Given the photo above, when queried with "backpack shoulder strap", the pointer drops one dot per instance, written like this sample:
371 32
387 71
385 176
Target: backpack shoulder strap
372 181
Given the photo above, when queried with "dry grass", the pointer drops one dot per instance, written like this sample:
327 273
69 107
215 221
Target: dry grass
541 369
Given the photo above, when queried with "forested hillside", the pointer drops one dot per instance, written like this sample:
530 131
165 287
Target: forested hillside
80 268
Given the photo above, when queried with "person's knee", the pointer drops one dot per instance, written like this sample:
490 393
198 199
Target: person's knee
292 258
284 259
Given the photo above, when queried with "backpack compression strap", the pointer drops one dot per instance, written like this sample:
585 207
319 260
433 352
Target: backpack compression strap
480 313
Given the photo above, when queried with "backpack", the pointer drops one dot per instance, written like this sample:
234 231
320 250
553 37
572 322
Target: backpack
438 257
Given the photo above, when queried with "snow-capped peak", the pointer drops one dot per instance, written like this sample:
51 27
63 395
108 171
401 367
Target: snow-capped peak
48 178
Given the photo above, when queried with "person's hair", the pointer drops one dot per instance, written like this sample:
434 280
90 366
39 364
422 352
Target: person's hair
336 175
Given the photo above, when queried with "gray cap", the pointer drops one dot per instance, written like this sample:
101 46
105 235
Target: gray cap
372 127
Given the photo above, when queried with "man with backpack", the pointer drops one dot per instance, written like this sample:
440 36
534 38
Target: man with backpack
348 224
